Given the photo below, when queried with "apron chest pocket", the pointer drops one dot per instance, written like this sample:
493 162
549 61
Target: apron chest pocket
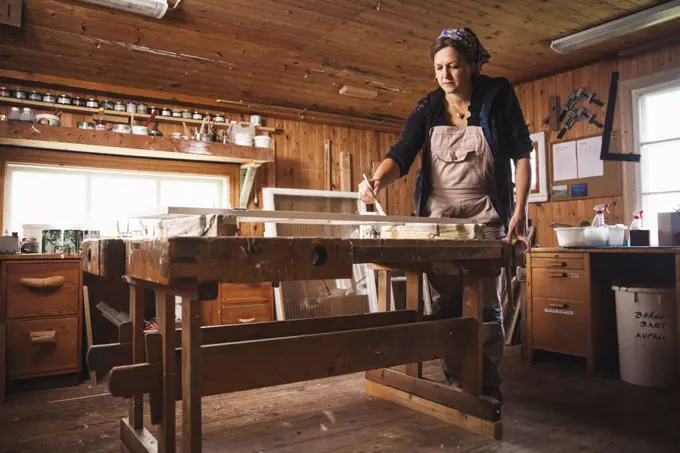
454 155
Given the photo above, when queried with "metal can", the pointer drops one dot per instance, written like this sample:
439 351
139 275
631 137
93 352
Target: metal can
108 105
153 110
141 108
35 96
78 102
186 114
177 114
4 92
197 116
119 106
131 107
64 99
166 112
92 103
177 135
19 94
47 97
219 118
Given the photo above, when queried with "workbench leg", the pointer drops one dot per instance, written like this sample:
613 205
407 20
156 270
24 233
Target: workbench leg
414 292
166 321
191 375
384 290
137 318
473 363
677 305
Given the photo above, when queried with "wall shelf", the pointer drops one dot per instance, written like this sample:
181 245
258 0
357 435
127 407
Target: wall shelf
138 116
114 143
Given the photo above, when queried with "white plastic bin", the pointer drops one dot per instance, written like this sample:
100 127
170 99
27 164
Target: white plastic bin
647 332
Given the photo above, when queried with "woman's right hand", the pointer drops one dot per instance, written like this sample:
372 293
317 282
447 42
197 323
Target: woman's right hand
365 193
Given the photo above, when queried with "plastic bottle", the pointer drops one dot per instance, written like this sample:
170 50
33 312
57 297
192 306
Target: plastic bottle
636 224
599 220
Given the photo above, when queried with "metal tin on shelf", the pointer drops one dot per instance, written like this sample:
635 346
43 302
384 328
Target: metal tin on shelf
78 102
177 114
92 103
186 114
197 116
64 99
155 110
35 96
5 93
119 106
108 105
47 97
141 108
166 112
219 118
19 94
131 107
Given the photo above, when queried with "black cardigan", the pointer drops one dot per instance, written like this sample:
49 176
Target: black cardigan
494 106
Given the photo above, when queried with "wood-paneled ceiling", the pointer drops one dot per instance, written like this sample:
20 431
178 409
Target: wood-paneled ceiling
299 53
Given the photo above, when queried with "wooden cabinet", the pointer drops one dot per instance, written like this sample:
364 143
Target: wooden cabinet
40 316
240 303
559 304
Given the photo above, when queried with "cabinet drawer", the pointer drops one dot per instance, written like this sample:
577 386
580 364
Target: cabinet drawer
25 298
561 326
245 313
42 346
559 262
559 284
246 292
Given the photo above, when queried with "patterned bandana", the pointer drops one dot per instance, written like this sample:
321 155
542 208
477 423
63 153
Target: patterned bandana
469 40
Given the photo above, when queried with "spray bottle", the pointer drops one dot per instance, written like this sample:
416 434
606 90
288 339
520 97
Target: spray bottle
599 220
636 224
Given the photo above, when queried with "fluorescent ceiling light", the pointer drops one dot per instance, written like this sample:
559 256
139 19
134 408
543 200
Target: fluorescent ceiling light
150 8
644 19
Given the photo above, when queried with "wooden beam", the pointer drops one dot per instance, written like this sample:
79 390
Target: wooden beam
479 406
423 250
137 440
295 359
192 367
104 357
290 113
138 355
117 144
414 301
328 166
171 261
483 428
166 376
473 364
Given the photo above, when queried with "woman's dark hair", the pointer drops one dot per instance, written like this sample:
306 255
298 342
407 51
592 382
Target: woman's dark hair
443 43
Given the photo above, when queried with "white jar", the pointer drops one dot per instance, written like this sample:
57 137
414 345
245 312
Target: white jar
27 116
14 114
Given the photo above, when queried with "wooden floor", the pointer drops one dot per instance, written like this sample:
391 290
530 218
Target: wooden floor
550 407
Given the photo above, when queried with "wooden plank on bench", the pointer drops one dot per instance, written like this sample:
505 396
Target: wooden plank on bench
424 250
104 257
264 363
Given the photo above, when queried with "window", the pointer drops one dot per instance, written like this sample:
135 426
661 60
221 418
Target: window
658 142
93 199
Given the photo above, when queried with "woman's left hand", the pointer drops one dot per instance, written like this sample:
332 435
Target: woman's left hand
517 227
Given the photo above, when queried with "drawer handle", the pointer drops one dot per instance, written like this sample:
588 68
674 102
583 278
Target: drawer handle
558 264
43 283
44 337
246 320
558 275
559 305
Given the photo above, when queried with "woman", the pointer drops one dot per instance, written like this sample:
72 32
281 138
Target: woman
468 130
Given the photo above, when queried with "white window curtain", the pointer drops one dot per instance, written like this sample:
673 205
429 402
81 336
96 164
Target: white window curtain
98 199
658 135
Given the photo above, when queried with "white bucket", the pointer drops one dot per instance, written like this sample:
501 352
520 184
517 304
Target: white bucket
647 332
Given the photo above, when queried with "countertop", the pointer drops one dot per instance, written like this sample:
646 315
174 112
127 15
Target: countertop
38 256
671 250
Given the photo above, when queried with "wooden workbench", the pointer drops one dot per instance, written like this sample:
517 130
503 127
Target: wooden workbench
288 351
571 305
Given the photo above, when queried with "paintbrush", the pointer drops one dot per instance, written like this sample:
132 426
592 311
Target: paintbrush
377 203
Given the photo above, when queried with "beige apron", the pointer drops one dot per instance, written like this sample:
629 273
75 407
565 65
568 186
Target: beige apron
462 177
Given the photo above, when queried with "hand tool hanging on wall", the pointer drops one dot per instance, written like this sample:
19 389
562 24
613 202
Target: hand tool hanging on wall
575 115
573 98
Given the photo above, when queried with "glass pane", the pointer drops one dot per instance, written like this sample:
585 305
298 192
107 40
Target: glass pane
39 197
190 193
659 166
659 113
652 205
117 197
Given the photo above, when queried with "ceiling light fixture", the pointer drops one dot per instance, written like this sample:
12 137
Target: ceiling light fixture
635 22
150 8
